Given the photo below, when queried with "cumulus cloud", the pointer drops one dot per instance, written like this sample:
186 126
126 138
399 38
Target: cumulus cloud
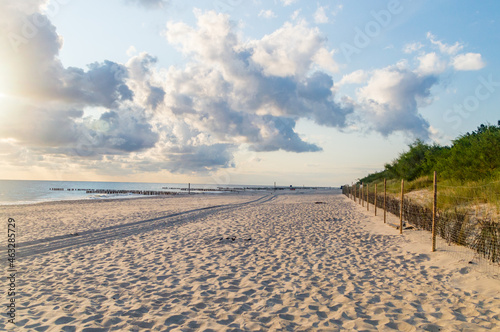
356 77
232 91
468 61
290 50
267 13
44 101
443 47
148 89
320 15
431 63
241 91
29 56
288 2
150 4
460 62
295 14
412 47
200 158
392 97
337 9
65 131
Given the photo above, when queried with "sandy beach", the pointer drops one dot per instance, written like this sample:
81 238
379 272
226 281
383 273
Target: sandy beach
311 261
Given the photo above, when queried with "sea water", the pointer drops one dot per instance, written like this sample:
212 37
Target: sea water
29 192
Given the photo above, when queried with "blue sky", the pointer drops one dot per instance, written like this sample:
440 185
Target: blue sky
238 91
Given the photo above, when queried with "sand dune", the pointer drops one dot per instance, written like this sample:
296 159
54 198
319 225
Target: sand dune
236 262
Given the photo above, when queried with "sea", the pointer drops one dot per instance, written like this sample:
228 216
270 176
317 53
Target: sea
28 192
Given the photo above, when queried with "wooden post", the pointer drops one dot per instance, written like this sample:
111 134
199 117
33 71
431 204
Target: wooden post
375 199
367 198
359 195
401 207
358 199
362 189
385 200
434 208
355 193
189 188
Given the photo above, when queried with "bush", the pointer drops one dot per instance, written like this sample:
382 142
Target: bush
472 157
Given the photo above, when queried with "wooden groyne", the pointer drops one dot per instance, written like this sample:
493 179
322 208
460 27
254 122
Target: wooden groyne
166 192
121 191
135 192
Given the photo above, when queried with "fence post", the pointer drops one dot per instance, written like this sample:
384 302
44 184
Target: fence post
367 198
385 200
434 208
355 185
362 189
359 194
375 199
401 209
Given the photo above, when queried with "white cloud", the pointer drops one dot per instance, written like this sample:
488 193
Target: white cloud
320 16
337 9
131 51
288 2
295 14
324 60
267 13
413 47
468 61
253 92
356 77
150 4
291 50
431 63
445 48
438 137
391 99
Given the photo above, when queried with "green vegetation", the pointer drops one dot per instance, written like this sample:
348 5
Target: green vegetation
472 157
468 170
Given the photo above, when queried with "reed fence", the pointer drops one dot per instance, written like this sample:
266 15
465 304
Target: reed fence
476 228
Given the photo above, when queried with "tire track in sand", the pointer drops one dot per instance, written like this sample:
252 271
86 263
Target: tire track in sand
50 244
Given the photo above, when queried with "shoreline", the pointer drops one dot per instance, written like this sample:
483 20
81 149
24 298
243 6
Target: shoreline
97 196
117 198
19 192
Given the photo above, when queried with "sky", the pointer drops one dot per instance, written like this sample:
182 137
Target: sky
238 91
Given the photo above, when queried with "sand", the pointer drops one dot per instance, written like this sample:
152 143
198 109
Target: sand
250 262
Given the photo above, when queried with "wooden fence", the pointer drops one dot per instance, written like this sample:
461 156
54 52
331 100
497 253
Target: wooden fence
455 226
